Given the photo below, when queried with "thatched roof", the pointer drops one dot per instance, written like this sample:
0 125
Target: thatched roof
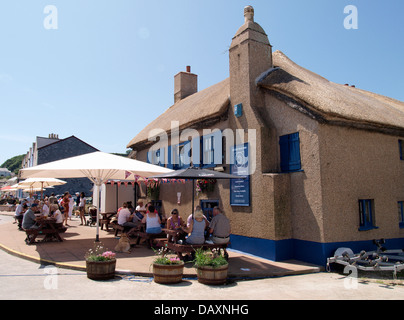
329 101
198 107
301 89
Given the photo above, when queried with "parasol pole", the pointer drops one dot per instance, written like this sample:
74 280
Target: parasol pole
193 196
97 237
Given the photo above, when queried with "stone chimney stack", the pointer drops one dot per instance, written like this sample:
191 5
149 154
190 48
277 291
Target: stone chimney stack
250 55
185 84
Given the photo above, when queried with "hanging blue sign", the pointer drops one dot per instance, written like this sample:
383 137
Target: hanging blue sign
240 188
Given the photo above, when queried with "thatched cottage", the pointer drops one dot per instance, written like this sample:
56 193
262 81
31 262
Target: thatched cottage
328 158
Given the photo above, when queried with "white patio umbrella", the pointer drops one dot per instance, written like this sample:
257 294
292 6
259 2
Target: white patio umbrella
41 183
97 166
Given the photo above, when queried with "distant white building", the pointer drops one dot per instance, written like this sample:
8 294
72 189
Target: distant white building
4 172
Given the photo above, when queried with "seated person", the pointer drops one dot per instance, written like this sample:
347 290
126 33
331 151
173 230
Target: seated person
44 208
29 222
189 219
140 209
196 229
174 222
125 219
57 215
152 221
219 227
130 207
19 213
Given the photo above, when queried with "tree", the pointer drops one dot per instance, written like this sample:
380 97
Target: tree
13 164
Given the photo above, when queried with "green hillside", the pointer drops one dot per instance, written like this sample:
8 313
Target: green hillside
13 164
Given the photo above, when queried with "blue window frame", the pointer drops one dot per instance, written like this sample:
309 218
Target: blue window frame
207 208
401 149
156 157
401 214
208 151
366 214
290 152
179 156
211 145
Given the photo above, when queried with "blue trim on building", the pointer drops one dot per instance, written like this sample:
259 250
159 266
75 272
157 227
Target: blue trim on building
307 251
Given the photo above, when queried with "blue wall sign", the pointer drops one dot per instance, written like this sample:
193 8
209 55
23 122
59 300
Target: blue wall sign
240 188
238 110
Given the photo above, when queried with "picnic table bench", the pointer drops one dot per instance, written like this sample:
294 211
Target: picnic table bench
150 238
48 228
106 219
118 228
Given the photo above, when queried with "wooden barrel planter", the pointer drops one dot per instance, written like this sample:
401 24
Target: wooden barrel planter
167 274
101 270
211 275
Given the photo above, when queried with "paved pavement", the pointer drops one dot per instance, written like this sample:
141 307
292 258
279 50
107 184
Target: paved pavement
78 239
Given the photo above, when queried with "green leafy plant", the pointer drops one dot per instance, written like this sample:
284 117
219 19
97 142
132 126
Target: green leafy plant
153 189
209 258
99 253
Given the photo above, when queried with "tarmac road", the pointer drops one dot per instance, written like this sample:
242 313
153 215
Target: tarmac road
23 279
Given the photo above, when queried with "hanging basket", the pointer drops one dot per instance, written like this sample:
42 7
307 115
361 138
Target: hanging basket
166 274
101 270
212 275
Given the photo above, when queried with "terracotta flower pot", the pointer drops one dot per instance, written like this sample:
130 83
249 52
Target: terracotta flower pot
212 275
166 274
101 270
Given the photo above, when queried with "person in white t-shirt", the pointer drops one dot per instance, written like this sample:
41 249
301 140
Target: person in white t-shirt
125 219
57 214
82 208
45 209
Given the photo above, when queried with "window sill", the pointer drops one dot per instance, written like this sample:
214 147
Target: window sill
367 228
301 170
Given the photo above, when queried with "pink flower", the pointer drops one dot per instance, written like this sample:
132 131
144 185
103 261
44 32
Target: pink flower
108 255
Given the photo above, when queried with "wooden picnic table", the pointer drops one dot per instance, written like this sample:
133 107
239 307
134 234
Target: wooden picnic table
106 219
47 227
174 235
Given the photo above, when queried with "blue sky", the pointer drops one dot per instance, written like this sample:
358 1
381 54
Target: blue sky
108 69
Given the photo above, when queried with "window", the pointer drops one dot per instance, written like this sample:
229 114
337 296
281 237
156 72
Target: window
400 149
366 215
401 214
179 156
290 152
156 157
207 208
208 152
212 149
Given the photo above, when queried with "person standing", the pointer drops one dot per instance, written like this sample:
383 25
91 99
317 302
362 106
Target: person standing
53 199
65 204
71 205
82 208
